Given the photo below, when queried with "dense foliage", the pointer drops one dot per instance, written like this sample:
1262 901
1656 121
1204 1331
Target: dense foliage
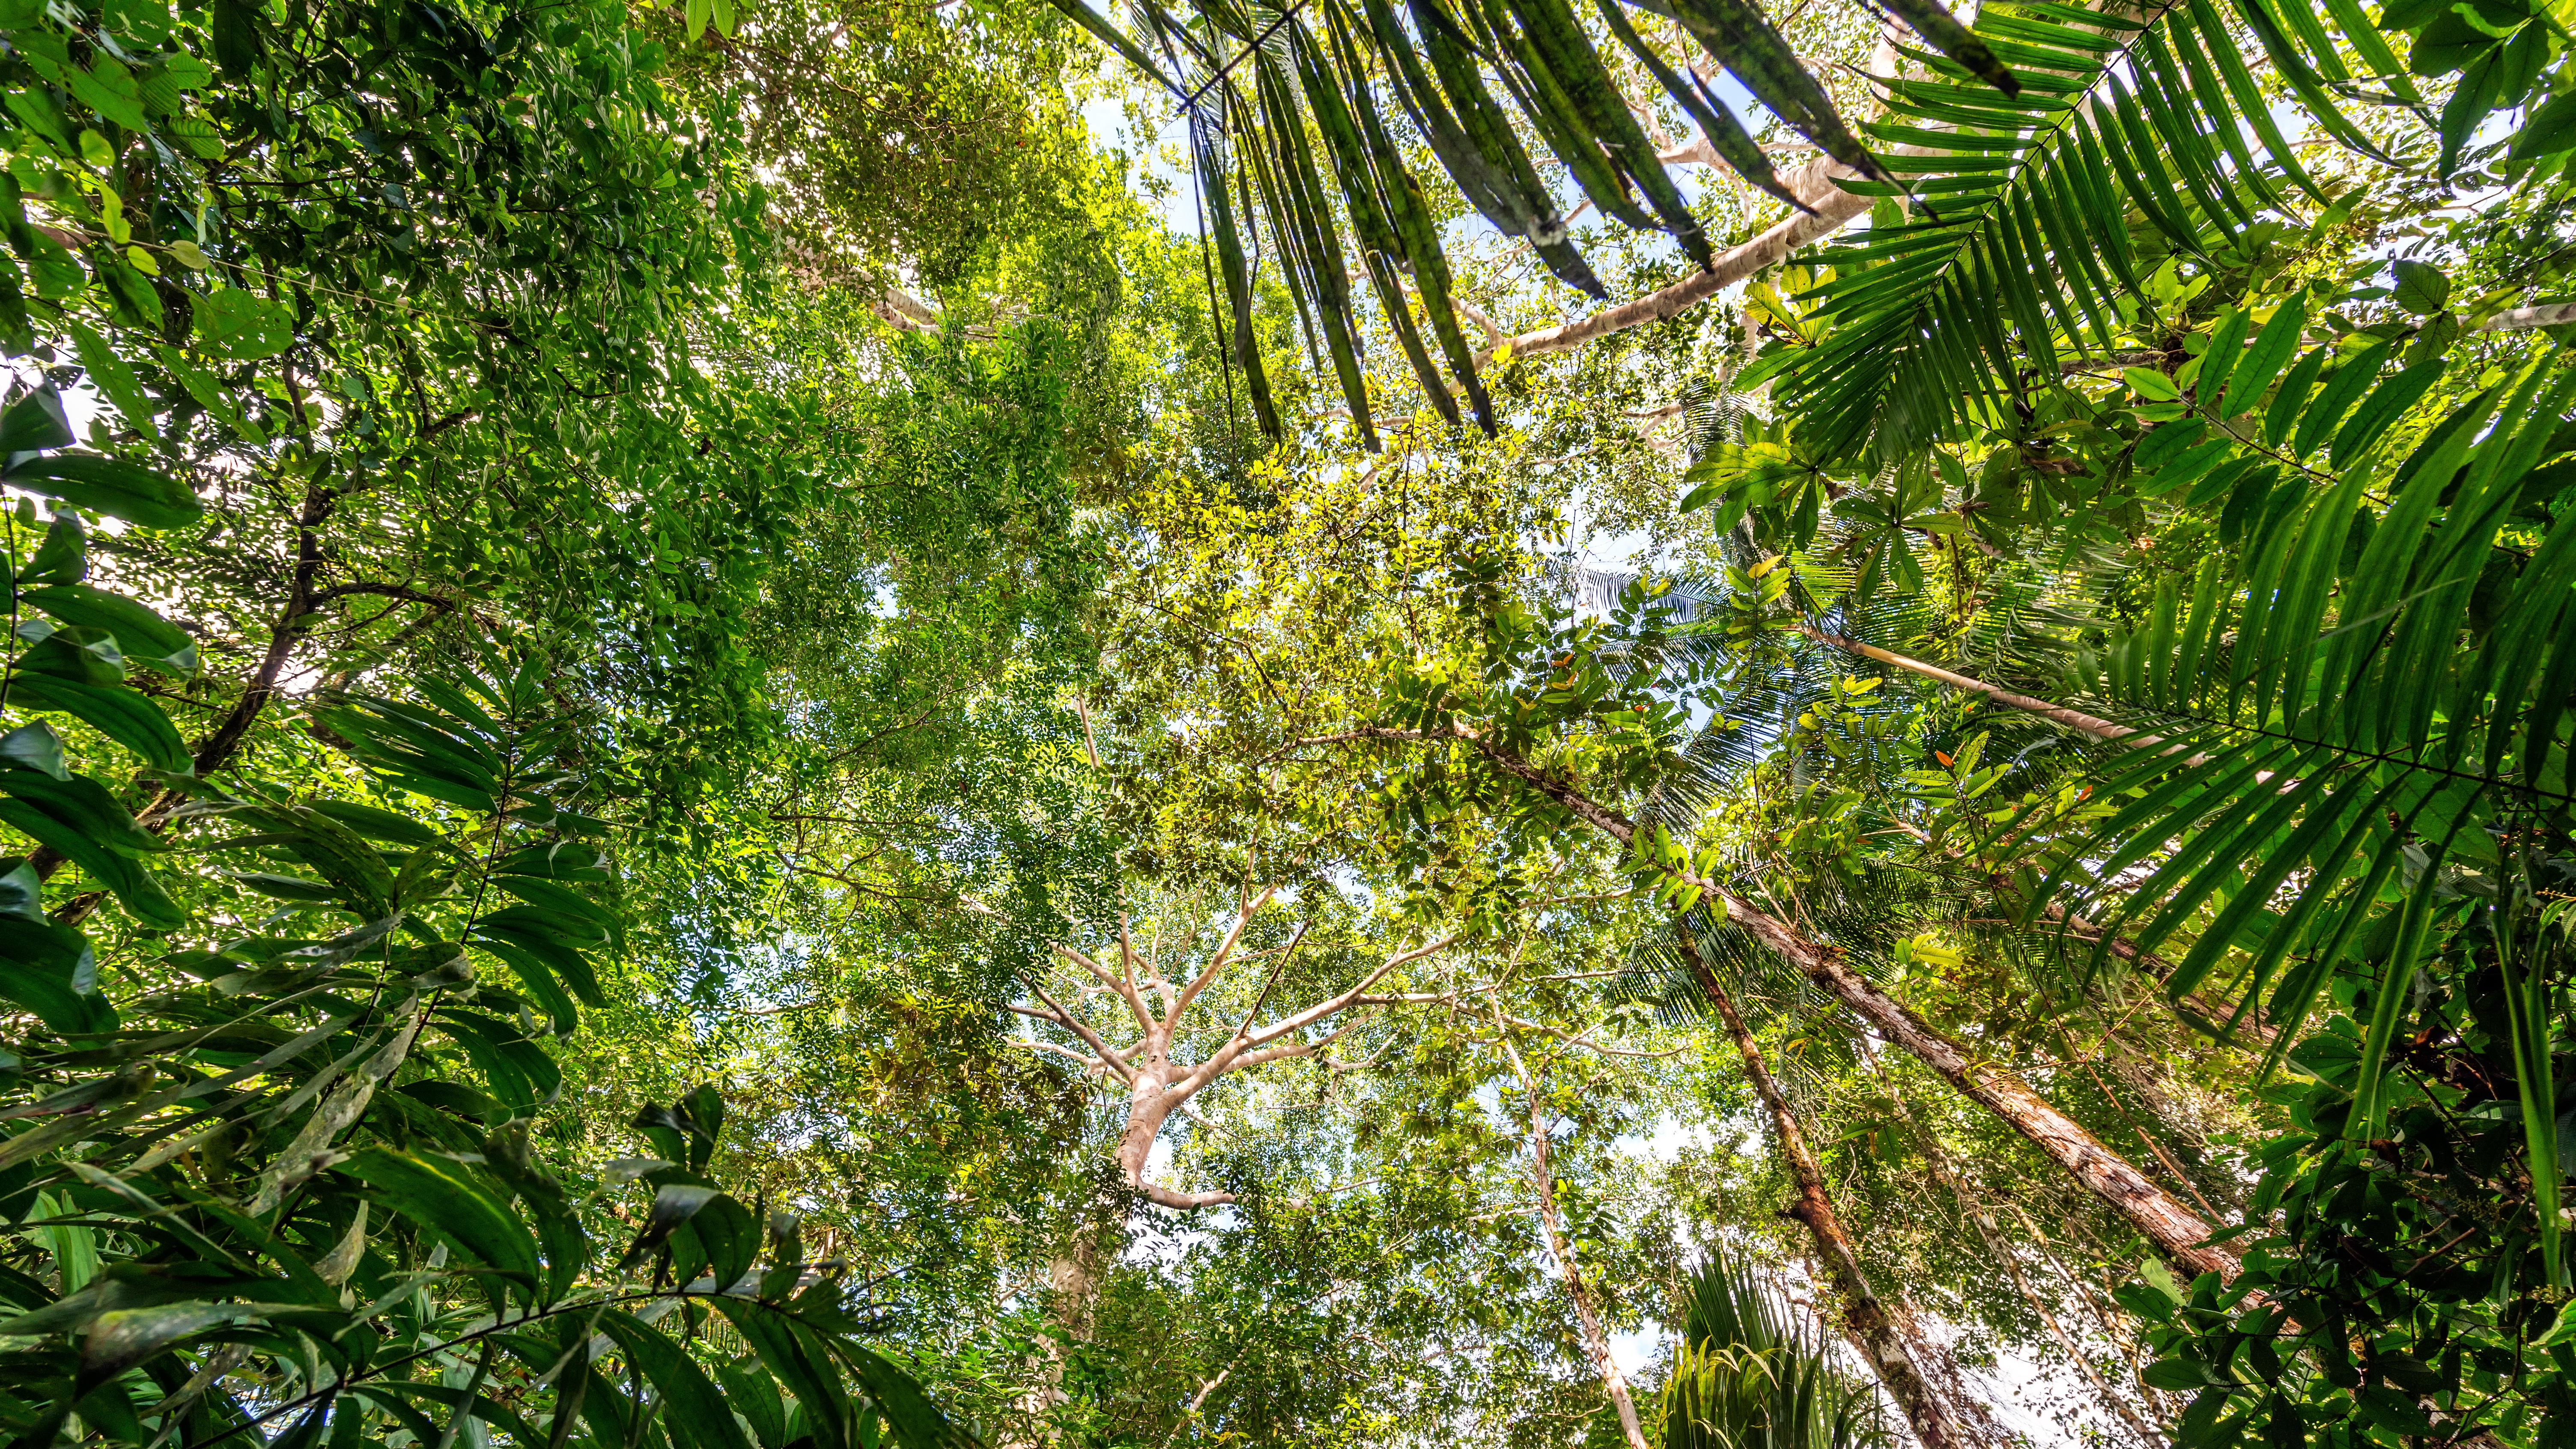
1671 724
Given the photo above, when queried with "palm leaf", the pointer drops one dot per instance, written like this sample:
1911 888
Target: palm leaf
2025 201
2331 714
1444 77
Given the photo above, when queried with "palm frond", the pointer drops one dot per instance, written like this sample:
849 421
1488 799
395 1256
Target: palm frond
1282 81
2357 695
2022 242
1749 1375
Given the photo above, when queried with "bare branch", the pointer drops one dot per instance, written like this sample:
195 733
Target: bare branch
1066 1052
1218 1064
1090 1038
1224 952
1126 989
1162 1196
1267 1055
1286 953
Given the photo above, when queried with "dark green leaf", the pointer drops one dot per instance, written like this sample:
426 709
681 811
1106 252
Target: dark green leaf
122 1338
34 423
104 485
129 718
142 635
454 1204
35 747
48 970
63 558
693 1411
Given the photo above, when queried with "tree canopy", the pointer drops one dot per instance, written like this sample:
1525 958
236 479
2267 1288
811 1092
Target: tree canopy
785 724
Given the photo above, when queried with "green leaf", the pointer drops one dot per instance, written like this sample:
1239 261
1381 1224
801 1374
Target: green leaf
123 715
49 970
21 894
2421 288
114 379
84 656
1933 21
916 1421
2175 1374
35 422
673 1204
242 326
798 1361
70 838
1744 41
755 1397
2148 383
142 635
122 1338
104 485
82 804
2548 130
2380 411
379 824
694 1411
2264 359
453 1204
721 1239
287 887
35 747
63 558
559 900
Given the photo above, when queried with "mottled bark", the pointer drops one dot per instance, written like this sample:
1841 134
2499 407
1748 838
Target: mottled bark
2175 1230
1947 1174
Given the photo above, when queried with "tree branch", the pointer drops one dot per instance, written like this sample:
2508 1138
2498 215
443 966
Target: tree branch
1090 1038
1320 1011
1224 953
1126 990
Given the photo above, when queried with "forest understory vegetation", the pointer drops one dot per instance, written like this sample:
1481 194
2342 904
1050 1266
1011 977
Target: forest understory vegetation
1648 724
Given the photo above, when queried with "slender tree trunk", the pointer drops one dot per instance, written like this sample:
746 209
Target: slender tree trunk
1596 1342
1895 1352
2173 1228
1947 1174
213 752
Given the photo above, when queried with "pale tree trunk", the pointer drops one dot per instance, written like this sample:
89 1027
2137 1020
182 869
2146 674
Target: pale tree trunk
1073 1289
1947 1174
2175 1230
1894 1348
1596 1342
1157 1006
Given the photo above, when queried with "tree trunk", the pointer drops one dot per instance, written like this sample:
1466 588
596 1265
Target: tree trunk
1895 1354
1948 1175
1073 1289
1074 1274
2168 1224
1596 1342
2173 1228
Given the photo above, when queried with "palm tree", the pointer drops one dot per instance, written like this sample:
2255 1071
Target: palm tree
2027 146
1748 1376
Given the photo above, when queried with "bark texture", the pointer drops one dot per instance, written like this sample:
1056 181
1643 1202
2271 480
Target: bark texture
1895 1352
1830 208
1947 1174
2176 1231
